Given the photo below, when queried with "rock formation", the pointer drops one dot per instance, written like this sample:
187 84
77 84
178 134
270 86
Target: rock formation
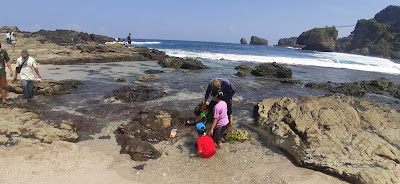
175 62
319 39
60 36
48 87
139 94
340 135
390 14
273 70
289 42
243 41
258 41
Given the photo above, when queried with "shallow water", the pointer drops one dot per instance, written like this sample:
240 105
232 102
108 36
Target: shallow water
88 108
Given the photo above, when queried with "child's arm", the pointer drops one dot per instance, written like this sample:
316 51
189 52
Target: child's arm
196 154
213 126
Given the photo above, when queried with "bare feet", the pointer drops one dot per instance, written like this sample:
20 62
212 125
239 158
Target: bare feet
6 103
25 100
190 122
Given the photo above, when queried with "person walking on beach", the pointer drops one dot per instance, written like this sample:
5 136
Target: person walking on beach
204 144
8 37
27 64
13 40
129 39
4 60
227 88
220 122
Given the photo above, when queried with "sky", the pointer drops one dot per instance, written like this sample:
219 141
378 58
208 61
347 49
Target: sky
205 20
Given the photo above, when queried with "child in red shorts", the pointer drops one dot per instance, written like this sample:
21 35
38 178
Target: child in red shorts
204 144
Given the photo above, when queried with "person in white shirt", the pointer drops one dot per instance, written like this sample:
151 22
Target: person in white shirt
13 40
8 37
28 65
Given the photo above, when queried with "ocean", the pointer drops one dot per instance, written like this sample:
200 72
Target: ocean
185 89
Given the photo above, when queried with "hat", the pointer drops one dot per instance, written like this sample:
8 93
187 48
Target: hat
199 126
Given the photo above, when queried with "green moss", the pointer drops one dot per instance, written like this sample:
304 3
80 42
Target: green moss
237 135
241 73
243 68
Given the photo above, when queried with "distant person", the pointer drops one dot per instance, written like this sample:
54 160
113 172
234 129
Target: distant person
4 60
8 37
221 122
227 88
27 64
129 39
204 144
13 40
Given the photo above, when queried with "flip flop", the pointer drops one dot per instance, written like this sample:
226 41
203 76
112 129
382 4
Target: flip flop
6 103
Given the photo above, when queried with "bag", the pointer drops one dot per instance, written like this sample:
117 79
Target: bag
18 68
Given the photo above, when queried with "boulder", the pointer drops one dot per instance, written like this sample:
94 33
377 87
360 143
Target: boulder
243 41
21 126
319 39
339 135
258 41
151 71
150 127
390 14
273 70
145 79
237 135
289 42
139 94
60 36
175 62
244 68
48 87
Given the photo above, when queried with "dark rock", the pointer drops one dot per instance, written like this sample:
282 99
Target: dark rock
362 51
139 94
289 42
291 82
395 54
273 70
49 87
151 71
175 62
388 15
120 80
241 73
258 41
243 41
60 36
319 39
342 44
244 68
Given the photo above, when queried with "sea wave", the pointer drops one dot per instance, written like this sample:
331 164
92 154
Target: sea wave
319 59
146 43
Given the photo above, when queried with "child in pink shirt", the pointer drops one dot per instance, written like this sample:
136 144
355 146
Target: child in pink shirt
221 121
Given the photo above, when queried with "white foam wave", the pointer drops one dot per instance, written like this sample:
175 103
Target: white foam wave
319 59
146 43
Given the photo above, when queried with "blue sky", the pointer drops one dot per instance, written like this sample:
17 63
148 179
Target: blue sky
206 20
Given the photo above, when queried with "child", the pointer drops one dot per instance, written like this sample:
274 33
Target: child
221 121
204 144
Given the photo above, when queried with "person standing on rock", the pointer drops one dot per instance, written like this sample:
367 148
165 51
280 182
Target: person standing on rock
129 39
4 60
8 37
227 88
13 40
27 64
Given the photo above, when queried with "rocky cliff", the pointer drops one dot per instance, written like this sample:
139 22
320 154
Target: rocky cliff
319 39
289 42
258 41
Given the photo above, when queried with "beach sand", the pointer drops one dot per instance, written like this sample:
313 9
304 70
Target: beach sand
98 161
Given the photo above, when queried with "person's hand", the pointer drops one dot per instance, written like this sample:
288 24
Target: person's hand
11 73
204 105
192 155
210 133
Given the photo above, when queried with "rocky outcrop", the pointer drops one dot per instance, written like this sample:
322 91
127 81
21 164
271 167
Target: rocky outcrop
359 89
273 70
319 39
258 41
342 44
390 14
175 62
147 128
21 126
139 94
48 87
60 36
243 41
10 29
289 42
339 135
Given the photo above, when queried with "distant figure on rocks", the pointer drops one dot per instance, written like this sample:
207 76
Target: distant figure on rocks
4 60
204 144
8 37
27 64
13 40
129 39
228 90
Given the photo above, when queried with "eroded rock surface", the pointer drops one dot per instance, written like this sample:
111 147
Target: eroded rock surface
339 134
